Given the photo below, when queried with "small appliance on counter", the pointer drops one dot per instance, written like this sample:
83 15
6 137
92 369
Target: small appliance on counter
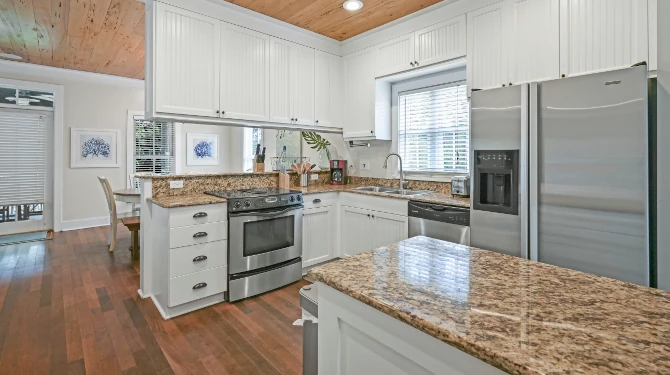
338 172
460 186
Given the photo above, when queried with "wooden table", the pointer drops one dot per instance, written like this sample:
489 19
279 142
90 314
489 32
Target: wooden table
133 225
127 195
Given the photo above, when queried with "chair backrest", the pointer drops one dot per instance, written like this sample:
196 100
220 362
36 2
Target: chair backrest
133 176
111 203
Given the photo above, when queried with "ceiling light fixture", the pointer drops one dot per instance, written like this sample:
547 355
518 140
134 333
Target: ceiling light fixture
10 56
353 5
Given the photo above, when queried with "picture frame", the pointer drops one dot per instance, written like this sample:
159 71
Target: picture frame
202 149
94 148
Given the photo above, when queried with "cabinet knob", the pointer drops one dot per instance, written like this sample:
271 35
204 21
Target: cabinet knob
199 286
412 64
416 63
373 216
223 112
562 75
510 83
296 120
217 111
317 121
503 85
368 215
316 201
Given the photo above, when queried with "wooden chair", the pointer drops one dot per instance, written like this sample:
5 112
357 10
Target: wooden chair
114 216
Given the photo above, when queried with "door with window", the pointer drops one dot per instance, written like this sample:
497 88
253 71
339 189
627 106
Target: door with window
26 203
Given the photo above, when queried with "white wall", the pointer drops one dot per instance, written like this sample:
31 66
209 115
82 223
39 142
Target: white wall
338 148
663 145
226 162
91 101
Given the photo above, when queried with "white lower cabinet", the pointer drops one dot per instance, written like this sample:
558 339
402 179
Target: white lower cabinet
365 229
318 239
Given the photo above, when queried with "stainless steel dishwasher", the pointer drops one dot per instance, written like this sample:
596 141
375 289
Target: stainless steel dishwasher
447 223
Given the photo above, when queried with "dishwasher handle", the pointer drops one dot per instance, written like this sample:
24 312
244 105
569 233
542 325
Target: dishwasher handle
439 212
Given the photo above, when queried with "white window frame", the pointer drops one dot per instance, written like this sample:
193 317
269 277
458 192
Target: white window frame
449 78
244 145
130 142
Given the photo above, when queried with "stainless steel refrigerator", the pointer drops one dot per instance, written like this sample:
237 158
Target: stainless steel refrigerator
560 173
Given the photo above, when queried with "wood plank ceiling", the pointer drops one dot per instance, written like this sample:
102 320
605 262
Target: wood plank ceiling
107 36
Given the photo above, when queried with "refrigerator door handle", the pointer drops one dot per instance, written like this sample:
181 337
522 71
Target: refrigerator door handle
533 183
523 170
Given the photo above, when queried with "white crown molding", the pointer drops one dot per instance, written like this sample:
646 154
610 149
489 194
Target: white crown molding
7 68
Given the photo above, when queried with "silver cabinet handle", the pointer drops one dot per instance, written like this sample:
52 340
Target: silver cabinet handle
199 215
200 234
199 286
316 201
199 258
412 64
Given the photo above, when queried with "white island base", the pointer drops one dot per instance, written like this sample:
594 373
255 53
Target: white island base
355 338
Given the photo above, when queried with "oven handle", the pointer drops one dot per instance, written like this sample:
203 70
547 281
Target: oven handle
266 213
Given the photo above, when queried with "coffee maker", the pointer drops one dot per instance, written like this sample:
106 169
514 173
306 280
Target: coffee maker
338 172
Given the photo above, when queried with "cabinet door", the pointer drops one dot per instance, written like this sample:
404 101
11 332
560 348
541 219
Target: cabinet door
394 56
599 35
387 229
356 226
187 62
534 41
487 61
302 79
441 42
359 94
318 226
653 34
281 109
245 74
324 87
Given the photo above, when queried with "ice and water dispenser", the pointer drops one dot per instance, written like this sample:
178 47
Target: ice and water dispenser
496 181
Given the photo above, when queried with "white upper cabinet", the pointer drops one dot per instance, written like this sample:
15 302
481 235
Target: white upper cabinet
291 83
186 62
534 41
395 56
598 35
653 35
245 74
441 42
326 94
281 109
302 79
359 94
487 61
431 45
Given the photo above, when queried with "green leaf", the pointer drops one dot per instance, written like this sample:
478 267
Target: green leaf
316 142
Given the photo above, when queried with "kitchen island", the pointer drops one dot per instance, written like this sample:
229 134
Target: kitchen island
429 306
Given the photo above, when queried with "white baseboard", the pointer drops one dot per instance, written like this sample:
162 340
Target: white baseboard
84 223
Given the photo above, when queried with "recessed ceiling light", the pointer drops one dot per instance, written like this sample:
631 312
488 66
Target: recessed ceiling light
10 56
353 5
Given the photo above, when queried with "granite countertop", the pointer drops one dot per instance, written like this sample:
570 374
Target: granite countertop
200 175
436 197
186 200
520 316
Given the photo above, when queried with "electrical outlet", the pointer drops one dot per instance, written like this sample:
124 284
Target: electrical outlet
315 176
177 184
365 164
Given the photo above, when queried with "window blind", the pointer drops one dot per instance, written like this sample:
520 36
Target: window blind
434 130
23 150
154 147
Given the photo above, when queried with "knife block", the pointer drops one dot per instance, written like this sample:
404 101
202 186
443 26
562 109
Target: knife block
259 167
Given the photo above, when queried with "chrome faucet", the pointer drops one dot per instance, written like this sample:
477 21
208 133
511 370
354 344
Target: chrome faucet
403 183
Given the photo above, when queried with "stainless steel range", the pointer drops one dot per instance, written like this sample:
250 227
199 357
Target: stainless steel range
264 239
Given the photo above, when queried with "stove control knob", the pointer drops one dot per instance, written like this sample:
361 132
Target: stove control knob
247 204
297 197
237 205
292 199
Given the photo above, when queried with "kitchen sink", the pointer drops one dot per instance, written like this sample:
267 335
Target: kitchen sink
393 191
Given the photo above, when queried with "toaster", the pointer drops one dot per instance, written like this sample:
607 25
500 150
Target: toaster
460 186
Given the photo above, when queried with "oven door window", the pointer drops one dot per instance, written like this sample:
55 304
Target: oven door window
268 235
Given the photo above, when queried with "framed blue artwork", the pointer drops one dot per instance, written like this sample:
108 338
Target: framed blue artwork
202 149
94 148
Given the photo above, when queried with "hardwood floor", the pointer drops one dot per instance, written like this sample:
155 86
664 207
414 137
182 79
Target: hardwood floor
68 306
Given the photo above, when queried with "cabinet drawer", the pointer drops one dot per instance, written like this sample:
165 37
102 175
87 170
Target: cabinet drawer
197 234
212 281
319 200
209 213
183 260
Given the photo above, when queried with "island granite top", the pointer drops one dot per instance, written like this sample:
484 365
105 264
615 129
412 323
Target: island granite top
520 316
186 200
